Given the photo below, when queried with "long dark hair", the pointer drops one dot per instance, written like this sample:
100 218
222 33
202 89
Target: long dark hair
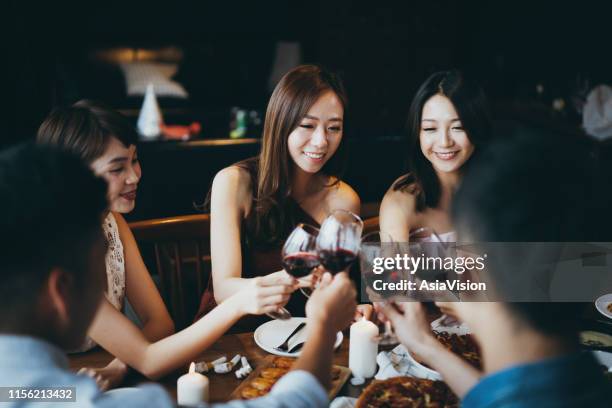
271 172
471 106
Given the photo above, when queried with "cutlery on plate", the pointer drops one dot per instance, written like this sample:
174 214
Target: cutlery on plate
297 347
285 345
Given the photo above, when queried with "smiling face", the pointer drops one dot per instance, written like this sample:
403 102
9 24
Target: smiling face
120 168
317 137
442 137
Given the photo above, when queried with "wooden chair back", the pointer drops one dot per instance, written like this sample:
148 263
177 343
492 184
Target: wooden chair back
370 225
179 249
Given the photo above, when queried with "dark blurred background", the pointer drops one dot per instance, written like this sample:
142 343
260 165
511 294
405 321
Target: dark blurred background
525 54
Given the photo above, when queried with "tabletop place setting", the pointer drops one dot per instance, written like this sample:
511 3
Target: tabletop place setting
369 356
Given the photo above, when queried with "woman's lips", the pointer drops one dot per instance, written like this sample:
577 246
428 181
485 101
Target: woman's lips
131 196
315 157
446 155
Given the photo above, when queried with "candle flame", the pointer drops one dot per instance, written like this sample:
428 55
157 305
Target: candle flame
192 368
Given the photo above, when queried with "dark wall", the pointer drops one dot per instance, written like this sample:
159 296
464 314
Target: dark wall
384 49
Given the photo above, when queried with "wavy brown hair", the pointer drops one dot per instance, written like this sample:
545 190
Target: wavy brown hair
271 171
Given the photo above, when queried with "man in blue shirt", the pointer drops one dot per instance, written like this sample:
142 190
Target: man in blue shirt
52 273
530 351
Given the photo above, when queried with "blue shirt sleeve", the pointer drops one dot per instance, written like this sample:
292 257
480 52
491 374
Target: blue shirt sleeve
298 389
147 395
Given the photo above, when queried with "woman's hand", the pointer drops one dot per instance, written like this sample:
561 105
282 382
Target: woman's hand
266 294
107 377
363 311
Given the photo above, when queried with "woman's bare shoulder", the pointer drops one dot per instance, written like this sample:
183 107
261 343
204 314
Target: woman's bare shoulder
399 204
344 196
233 185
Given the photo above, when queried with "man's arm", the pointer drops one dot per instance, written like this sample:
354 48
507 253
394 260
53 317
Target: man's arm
330 308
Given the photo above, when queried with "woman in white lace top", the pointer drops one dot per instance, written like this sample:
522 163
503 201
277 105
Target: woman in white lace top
106 141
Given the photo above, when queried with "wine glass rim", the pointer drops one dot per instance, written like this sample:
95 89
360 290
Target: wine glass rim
431 231
358 218
308 228
379 233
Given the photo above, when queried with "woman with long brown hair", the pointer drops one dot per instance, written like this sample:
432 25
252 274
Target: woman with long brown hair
256 203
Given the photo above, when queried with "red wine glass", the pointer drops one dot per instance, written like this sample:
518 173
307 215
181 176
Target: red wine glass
299 253
339 240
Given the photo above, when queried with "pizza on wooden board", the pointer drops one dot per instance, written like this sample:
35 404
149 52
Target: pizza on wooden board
407 392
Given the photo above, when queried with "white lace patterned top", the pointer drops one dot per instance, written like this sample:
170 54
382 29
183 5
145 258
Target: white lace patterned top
115 270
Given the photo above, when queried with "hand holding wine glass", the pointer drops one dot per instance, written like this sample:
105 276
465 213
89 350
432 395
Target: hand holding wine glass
379 244
267 294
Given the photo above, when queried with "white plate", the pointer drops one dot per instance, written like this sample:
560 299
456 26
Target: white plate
602 303
604 358
273 333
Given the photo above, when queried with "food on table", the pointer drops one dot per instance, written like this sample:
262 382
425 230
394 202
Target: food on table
263 379
268 376
203 366
283 362
245 370
609 307
407 392
273 373
263 384
463 345
250 392
595 339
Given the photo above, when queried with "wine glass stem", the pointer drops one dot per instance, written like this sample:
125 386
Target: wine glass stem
280 314
388 329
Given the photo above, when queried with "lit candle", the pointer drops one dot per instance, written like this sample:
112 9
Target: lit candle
192 388
363 348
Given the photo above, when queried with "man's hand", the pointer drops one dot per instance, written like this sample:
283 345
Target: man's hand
332 304
409 324
330 308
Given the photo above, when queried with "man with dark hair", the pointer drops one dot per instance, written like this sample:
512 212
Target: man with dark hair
52 273
530 351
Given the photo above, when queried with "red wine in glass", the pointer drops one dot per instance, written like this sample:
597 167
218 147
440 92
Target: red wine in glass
336 260
300 253
300 264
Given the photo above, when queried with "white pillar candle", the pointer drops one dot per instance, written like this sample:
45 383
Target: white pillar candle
363 348
192 388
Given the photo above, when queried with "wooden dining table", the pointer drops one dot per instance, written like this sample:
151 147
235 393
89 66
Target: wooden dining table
221 385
